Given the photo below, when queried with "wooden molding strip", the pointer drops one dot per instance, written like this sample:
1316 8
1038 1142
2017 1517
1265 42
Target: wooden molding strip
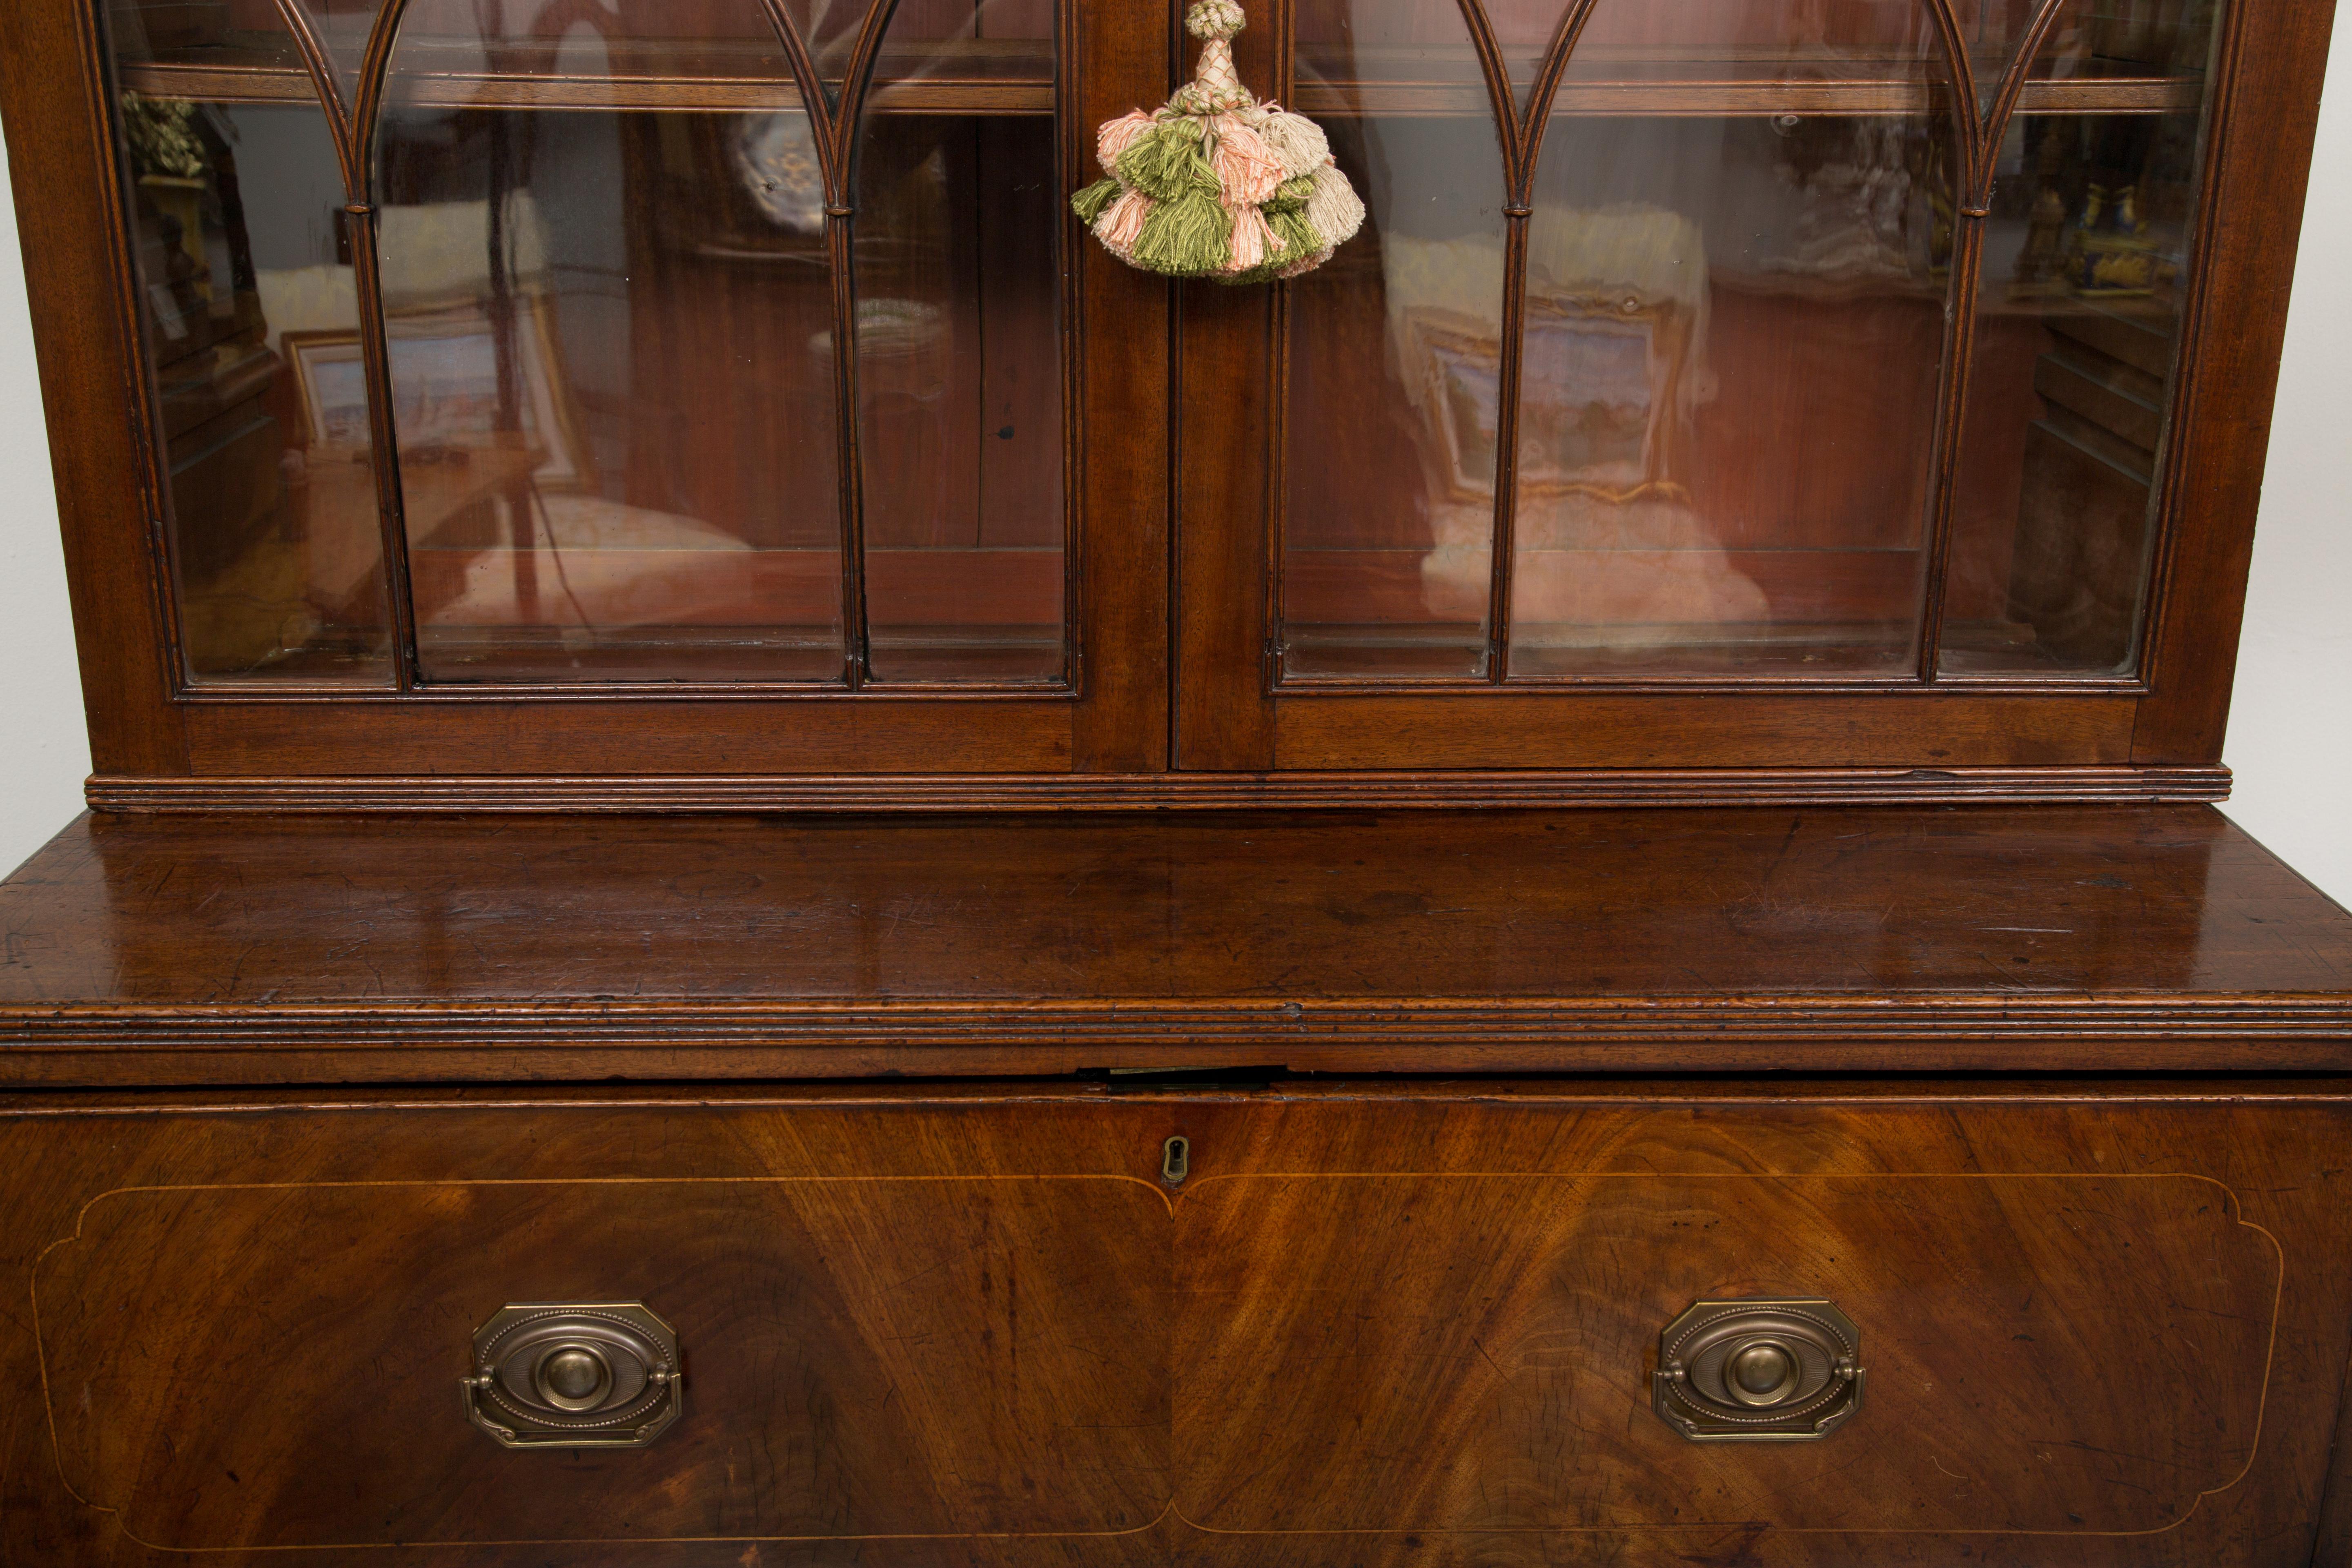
1262 1020
417 1041
671 794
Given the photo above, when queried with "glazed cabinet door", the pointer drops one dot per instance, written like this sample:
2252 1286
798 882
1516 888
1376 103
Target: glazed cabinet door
660 386
1733 383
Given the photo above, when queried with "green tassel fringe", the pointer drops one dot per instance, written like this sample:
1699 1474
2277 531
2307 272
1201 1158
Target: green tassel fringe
1166 163
1297 236
1290 196
1186 236
1091 202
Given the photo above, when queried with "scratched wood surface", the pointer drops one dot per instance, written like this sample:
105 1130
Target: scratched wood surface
1379 1323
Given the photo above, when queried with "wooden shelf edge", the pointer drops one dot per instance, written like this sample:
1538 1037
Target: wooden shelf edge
1685 98
583 1040
265 85
985 95
671 795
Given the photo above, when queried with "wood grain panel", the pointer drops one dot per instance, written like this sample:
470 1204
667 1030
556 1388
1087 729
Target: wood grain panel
941 1358
1528 730
519 735
964 1308
1368 1354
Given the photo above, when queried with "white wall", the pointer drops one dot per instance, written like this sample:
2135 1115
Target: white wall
2291 730
44 751
2290 720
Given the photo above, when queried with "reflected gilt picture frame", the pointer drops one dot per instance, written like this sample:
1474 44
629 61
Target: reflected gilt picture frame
445 386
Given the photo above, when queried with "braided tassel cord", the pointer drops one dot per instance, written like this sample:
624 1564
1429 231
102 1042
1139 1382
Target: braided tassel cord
1216 184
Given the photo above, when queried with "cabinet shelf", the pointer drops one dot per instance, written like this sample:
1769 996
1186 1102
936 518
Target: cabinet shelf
1013 76
963 76
1698 94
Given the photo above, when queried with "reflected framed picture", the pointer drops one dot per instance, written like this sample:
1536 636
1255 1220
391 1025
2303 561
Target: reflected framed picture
1600 391
447 387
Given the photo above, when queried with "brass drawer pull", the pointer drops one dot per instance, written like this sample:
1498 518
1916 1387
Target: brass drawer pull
559 1375
1731 1372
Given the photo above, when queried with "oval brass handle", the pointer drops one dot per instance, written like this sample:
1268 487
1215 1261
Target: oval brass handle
1782 1371
572 1375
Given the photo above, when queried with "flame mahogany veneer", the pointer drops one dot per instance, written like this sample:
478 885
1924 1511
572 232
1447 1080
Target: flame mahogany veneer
1939 999
1394 1315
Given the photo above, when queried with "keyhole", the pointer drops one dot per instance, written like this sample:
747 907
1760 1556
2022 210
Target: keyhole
1176 1160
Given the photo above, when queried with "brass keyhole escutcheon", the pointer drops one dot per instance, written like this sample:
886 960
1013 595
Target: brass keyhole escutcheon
1176 1160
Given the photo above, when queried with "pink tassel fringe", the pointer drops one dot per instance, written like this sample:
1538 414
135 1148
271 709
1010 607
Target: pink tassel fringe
1246 167
1117 135
1122 222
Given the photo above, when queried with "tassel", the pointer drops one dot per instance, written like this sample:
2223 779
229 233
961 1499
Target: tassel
1167 162
1334 208
1297 141
1246 169
1186 238
1313 260
1291 196
1122 223
1118 135
1089 203
1298 236
1253 242
1214 186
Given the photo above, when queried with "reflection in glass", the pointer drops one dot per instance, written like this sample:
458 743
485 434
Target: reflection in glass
610 48
959 369
1415 54
611 350
1390 466
609 344
1734 323
245 274
2085 270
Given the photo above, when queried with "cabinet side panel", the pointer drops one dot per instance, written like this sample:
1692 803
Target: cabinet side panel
2274 58
60 162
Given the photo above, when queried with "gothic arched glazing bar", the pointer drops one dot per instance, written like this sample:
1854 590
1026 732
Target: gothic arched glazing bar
1525 136
352 129
1539 97
1963 82
356 141
838 134
1972 207
2006 94
826 119
1522 139
320 65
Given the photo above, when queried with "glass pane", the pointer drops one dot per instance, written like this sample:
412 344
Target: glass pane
244 271
959 369
611 54
343 26
1395 342
1414 53
1993 29
611 351
1355 55
2085 269
1734 323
